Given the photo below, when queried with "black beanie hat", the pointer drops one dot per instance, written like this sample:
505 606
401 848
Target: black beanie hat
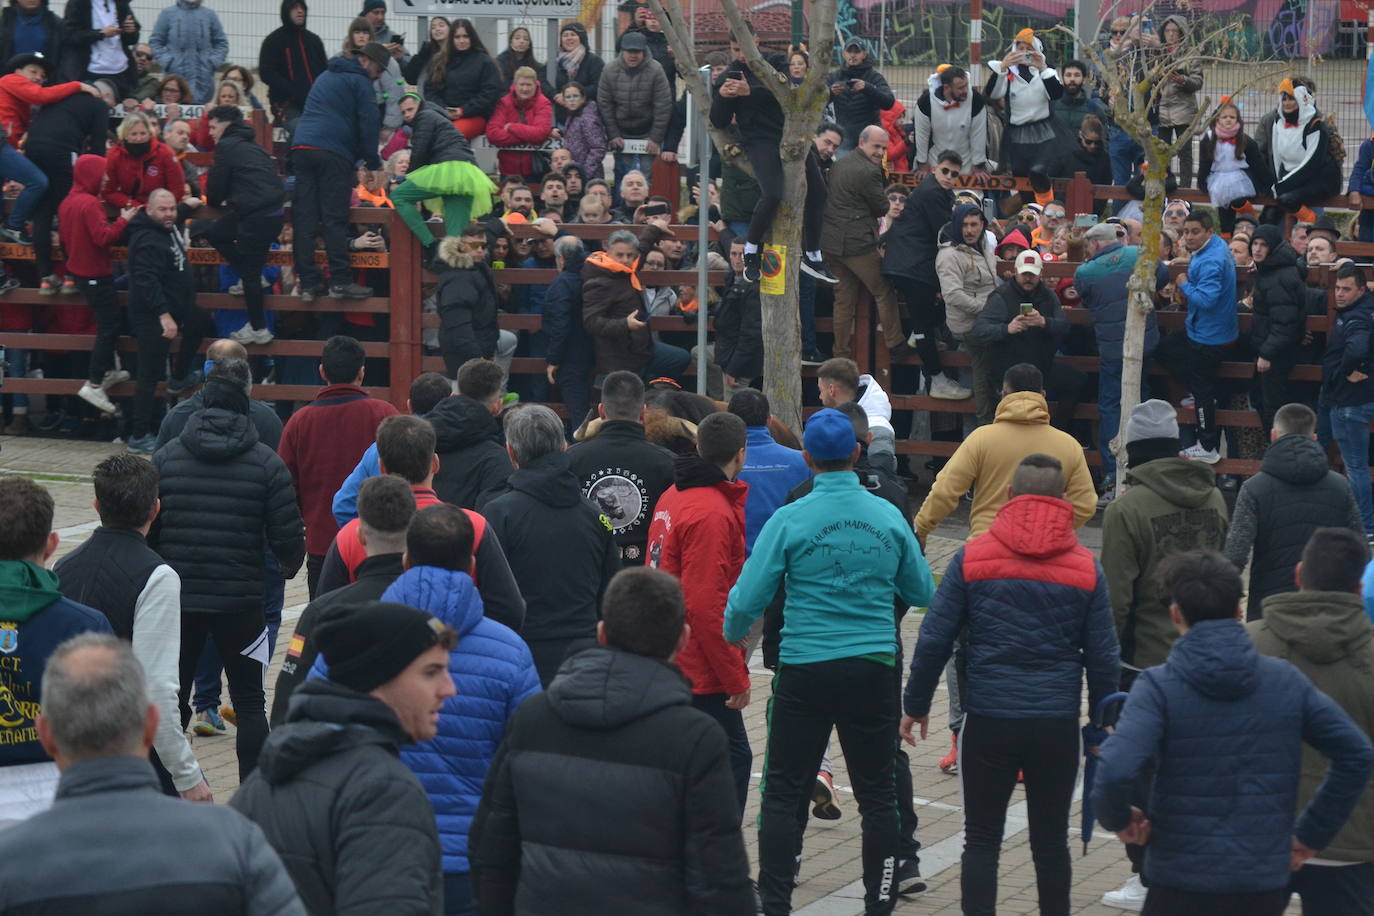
368 643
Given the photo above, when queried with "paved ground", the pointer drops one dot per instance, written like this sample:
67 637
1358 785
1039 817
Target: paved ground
830 867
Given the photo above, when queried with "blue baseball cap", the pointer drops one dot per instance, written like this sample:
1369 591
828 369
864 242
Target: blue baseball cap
829 436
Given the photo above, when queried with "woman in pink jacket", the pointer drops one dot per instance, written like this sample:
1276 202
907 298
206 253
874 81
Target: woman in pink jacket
523 117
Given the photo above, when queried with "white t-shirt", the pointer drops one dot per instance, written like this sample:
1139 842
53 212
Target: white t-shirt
107 54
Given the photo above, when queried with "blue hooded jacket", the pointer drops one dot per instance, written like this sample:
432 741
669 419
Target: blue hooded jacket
1227 726
771 470
341 114
494 673
1211 292
1101 283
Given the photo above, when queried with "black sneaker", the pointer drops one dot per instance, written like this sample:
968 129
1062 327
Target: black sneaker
817 269
8 284
753 268
350 291
908 878
19 236
814 358
191 379
310 293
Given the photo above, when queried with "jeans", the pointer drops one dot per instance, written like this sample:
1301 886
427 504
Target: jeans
1196 364
17 366
1344 889
857 698
100 295
631 162
236 634
1125 154
210 667
15 166
732 721
1169 901
739 228
1350 427
244 242
669 361
324 186
991 751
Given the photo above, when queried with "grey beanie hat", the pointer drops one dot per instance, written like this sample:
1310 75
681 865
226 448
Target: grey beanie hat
1152 419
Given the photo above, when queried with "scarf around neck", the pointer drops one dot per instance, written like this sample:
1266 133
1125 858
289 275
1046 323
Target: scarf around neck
571 60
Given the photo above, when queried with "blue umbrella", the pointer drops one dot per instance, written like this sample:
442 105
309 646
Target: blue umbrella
1094 733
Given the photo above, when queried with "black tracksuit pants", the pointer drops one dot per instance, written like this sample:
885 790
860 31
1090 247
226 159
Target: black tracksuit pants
858 699
244 243
1196 365
324 187
991 751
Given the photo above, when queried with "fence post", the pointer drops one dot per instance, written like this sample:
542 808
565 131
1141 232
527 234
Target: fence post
262 130
405 339
1078 195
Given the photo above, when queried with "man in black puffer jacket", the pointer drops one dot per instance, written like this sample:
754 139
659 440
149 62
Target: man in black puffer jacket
559 545
243 180
858 92
226 497
1280 317
466 298
350 820
1293 495
472 458
622 707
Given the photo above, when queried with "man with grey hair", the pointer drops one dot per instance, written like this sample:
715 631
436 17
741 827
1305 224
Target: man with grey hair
98 725
560 547
568 349
849 241
263 418
613 309
1101 284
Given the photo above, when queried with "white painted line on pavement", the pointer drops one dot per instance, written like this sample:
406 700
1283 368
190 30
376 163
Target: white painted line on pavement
72 531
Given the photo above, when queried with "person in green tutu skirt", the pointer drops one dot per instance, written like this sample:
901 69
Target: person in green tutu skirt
442 167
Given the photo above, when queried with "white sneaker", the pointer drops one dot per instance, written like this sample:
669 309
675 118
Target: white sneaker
1130 896
248 335
96 397
1196 452
941 386
112 378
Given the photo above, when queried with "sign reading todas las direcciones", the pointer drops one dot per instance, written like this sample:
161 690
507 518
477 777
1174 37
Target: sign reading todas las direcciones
471 8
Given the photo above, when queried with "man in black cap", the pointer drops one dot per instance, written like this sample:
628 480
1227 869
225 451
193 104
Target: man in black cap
374 11
352 821
859 92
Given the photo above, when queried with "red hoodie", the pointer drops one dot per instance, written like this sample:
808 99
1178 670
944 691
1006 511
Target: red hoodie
17 98
519 122
86 237
133 179
697 534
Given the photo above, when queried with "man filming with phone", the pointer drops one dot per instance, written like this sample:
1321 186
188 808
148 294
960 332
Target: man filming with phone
1023 323
374 11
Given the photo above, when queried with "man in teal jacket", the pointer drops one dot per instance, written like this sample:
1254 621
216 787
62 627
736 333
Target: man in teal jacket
842 554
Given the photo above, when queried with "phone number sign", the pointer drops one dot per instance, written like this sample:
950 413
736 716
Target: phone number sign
471 8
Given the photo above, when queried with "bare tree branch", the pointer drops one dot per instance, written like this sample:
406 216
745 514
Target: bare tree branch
772 80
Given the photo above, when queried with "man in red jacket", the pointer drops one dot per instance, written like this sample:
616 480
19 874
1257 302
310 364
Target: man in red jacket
21 88
86 238
697 534
324 440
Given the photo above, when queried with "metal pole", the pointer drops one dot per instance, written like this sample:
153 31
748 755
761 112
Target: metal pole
882 30
797 25
975 33
703 225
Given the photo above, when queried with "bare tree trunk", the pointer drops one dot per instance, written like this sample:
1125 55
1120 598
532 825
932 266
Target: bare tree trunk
1140 302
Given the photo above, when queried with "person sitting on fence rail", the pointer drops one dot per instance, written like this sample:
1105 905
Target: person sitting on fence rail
1208 287
86 239
1347 390
740 96
441 165
1302 161
464 80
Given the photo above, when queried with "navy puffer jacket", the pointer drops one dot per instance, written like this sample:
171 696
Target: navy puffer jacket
494 674
1226 727
1034 601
